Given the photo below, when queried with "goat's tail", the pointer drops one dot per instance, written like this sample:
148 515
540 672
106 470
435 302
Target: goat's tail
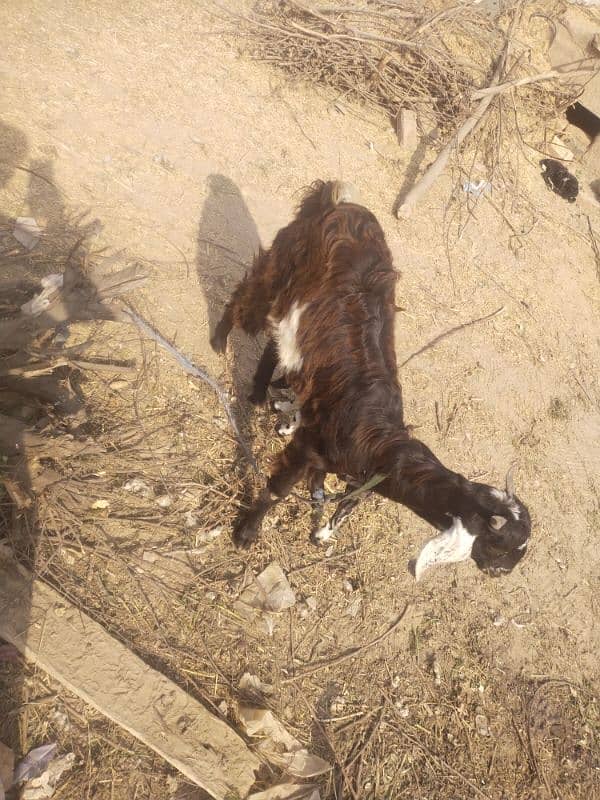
324 196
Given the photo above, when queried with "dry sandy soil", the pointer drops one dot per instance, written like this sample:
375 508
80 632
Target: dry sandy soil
190 154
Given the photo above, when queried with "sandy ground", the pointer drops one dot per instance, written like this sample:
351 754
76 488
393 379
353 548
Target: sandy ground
189 155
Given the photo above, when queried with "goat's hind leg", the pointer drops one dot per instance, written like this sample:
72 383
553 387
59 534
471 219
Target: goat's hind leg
289 469
341 513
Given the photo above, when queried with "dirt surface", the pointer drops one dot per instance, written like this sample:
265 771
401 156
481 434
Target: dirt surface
189 155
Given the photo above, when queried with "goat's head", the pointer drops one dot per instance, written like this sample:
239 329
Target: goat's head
493 530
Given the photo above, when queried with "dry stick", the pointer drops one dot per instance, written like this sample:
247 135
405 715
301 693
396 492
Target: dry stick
450 332
356 651
196 372
542 76
440 163
595 248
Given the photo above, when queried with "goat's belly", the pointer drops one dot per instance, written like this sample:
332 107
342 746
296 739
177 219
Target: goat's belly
285 333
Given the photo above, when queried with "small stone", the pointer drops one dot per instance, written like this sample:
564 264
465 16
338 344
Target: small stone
337 705
354 607
481 725
100 504
396 681
348 586
164 501
117 384
498 620
211 596
191 520
403 710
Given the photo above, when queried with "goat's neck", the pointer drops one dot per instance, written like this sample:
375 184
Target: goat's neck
422 483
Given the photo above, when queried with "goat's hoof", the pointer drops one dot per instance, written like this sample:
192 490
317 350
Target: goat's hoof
245 535
218 343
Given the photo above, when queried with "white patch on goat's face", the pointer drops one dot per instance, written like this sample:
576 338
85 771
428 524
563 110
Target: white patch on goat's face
324 534
287 429
449 547
285 406
285 333
523 546
504 498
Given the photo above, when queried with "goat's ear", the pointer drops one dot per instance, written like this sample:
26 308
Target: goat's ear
497 522
449 547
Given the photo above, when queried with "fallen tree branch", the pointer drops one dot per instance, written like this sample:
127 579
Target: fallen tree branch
196 372
439 165
448 333
542 76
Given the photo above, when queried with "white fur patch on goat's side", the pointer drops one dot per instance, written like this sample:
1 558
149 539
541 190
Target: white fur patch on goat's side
285 333
504 498
449 547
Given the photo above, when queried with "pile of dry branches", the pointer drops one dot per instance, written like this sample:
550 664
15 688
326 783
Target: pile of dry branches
457 66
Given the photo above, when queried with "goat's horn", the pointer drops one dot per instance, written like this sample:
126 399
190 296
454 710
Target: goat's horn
496 522
510 486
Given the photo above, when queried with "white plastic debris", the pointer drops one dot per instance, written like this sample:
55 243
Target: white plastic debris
164 501
138 486
481 725
100 504
288 791
206 537
269 591
35 762
191 520
27 232
477 188
278 746
354 607
252 683
51 284
307 607
45 785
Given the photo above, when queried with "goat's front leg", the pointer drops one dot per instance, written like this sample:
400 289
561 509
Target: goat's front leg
341 513
289 469
218 340
264 373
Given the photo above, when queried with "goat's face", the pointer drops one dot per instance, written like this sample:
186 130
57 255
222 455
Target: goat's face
501 540
495 535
